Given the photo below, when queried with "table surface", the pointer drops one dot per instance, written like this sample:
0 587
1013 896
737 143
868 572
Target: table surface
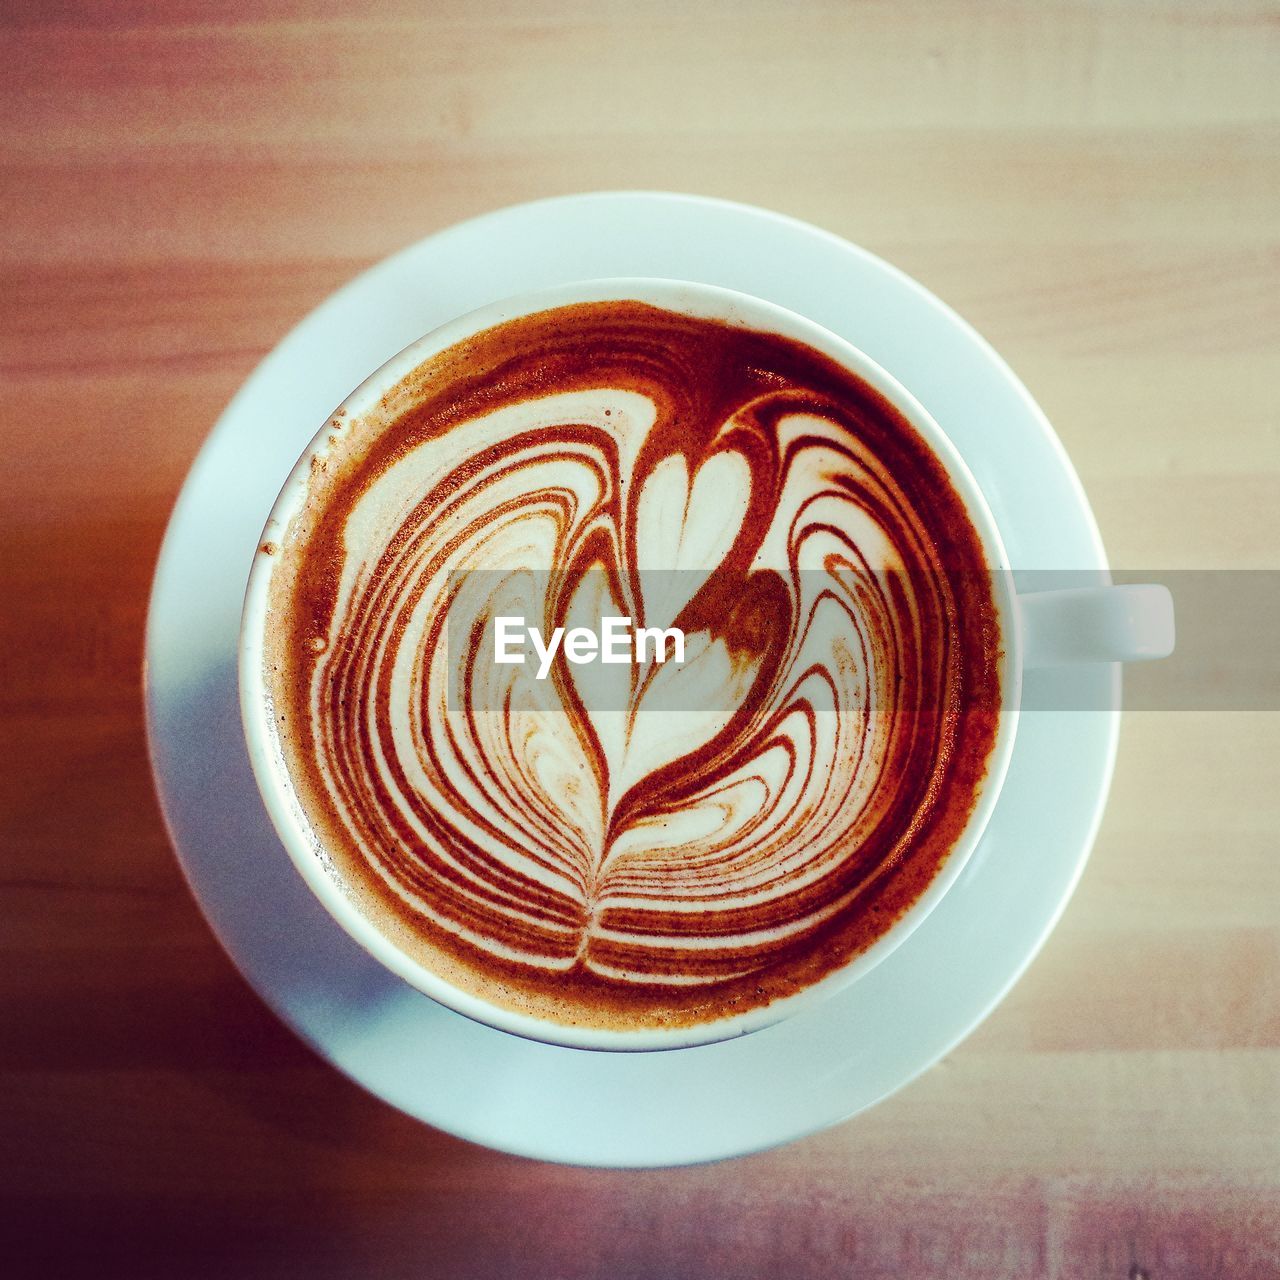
1096 187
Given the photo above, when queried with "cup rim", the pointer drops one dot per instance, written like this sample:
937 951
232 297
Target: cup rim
271 774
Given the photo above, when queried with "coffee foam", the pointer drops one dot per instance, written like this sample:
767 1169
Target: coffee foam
600 866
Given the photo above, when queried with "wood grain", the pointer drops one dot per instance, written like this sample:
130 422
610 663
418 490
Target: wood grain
1095 186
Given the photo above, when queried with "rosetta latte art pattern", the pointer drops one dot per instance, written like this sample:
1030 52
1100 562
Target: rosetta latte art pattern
715 834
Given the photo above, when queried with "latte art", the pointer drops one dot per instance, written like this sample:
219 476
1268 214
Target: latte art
654 843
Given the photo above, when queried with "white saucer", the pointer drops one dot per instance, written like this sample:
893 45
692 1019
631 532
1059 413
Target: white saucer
685 1105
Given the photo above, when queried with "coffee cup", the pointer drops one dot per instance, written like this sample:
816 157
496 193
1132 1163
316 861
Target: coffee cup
1101 624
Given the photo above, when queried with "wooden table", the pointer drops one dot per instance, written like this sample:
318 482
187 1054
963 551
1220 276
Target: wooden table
1096 187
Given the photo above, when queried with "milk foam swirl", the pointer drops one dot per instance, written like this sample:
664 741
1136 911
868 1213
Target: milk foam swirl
613 863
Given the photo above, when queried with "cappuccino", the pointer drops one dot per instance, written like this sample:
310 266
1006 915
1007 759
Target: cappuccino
688 851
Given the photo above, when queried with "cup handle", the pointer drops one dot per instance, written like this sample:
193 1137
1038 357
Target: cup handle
1096 624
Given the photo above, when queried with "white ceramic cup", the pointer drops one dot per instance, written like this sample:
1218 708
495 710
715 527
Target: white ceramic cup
1101 624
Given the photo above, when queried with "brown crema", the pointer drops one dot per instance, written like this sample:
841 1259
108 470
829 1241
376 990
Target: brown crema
611 868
